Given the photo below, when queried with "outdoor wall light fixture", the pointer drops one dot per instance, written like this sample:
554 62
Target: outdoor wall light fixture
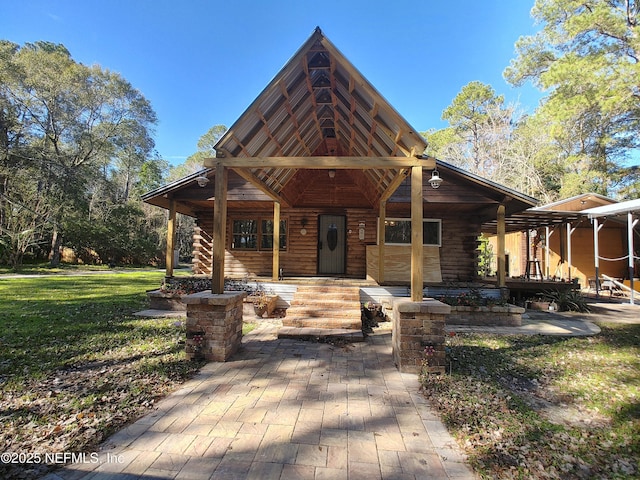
332 173
202 181
435 179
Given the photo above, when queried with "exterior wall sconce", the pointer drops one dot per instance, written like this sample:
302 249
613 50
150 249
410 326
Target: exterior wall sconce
202 181
332 173
303 230
361 226
435 179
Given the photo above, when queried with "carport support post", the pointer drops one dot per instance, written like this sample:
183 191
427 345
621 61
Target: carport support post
630 225
275 273
596 254
569 259
219 229
171 239
417 252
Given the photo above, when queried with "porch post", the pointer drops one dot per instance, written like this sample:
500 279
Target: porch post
382 215
417 252
219 229
547 267
502 268
276 242
171 238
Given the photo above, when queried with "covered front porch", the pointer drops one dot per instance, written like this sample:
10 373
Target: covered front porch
322 178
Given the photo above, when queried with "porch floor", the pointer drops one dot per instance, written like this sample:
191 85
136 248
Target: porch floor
320 281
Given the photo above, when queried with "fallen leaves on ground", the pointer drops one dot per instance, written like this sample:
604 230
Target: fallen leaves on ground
74 408
520 408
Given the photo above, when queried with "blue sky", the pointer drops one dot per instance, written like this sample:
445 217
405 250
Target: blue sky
201 63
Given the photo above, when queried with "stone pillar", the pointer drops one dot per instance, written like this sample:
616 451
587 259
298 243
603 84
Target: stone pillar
417 325
214 325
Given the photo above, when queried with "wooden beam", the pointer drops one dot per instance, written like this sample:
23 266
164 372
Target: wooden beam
394 184
260 185
171 238
276 242
321 162
417 252
219 229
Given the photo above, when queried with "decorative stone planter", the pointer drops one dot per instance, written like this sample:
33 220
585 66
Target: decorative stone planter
159 300
502 316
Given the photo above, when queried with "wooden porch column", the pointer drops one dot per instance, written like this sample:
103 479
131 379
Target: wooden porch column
417 251
276 242
502 264
219 229
171 239
547 266
382 215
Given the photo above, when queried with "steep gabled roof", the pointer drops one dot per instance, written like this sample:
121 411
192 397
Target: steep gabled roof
320 104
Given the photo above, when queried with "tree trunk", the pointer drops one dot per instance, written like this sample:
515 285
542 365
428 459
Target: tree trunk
56 243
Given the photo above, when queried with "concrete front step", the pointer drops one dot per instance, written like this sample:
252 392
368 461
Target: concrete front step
321 311
326 307
322 322
321 334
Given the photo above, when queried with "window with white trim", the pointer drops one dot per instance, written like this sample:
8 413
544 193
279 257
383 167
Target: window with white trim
397 231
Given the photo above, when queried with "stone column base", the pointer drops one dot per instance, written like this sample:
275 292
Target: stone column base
418 326
214 325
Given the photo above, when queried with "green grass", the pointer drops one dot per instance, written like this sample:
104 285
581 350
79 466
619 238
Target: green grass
545 407
75 365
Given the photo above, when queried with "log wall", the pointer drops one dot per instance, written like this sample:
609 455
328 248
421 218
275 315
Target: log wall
301 255
459 251
455 261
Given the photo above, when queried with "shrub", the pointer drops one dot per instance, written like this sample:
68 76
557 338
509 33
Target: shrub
567 300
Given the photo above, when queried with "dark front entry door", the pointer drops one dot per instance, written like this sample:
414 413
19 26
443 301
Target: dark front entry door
331 244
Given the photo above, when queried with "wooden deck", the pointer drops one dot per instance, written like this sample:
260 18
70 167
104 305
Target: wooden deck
520 287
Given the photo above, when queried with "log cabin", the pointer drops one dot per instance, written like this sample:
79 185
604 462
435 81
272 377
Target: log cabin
322 177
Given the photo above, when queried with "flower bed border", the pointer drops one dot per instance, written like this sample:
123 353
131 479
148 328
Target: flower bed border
496 315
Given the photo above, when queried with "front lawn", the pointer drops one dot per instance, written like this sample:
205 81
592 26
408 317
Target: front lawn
75 365
535 407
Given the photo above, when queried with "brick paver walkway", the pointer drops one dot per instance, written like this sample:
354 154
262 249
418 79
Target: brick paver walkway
287 409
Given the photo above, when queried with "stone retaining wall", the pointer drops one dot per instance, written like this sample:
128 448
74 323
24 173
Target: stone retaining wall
502 316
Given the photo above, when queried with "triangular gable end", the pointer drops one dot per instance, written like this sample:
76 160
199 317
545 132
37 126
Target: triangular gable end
320 104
